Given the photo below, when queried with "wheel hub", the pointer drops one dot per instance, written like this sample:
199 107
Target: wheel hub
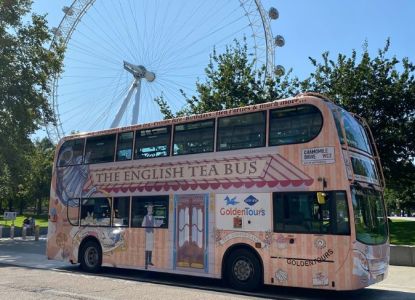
91 257
242 270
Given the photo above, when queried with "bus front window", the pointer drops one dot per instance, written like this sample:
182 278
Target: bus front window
369 216
355 134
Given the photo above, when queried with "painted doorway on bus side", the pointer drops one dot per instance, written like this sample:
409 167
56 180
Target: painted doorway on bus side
190 231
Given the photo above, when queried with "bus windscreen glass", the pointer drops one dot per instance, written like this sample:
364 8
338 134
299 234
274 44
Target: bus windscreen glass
369 215
355 133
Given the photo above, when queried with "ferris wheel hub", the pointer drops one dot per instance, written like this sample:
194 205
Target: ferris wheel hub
139 71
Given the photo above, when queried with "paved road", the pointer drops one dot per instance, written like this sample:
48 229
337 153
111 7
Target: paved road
25 272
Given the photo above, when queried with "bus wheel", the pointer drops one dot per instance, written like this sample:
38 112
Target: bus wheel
91 257
243 270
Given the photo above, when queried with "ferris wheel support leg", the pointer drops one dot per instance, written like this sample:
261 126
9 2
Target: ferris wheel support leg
124 104
136 108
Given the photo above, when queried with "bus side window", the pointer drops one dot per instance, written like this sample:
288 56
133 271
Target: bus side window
342 214
241 132
150 212
121 211
195 137
100 149
291 125
300 212
96 211
71 153
291 212
153 142
125 146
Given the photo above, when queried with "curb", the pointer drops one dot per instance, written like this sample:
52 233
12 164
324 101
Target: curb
5 232
402 255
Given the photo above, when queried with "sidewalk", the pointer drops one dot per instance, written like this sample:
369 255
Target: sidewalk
27 253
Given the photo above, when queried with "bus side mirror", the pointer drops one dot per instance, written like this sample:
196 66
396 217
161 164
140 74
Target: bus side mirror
321 197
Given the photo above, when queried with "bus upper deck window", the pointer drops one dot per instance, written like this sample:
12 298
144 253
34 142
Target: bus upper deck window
195 137
292 125
125 146
100 149
242 131
71 153
152 142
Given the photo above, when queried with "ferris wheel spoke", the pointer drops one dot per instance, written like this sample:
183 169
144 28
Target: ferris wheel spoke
139 37
92 30
103 110
195 42
113 26
163 30
174 86
113 85
82 50
93 64
121 15
221 23
173 93
187 35
83 91
90 52
177 62
184 24
81 80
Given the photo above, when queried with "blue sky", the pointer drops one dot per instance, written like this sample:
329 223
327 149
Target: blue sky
309 29
312 27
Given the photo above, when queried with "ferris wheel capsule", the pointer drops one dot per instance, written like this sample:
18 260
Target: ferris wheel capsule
279 41
279 70
68 11
273 13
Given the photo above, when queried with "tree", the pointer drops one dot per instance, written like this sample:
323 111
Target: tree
27 68
37 181
382 90
5 187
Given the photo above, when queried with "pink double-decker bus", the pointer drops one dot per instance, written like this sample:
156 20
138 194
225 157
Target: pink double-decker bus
286 193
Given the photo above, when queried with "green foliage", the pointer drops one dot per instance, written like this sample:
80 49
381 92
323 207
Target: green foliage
27 68
37 181
382 90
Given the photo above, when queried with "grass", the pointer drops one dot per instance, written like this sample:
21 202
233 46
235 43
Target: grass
402 232
41 220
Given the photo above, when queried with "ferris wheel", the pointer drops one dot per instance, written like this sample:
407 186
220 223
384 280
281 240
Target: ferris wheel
122 54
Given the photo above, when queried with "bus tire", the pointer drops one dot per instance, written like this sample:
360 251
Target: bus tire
243 270
91 257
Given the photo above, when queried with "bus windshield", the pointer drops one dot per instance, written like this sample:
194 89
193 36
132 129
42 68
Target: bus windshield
364 168
355 134
369 215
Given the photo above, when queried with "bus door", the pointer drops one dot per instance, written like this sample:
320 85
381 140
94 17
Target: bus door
190 231
311 238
